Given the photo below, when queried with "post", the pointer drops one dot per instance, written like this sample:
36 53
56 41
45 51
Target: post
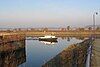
94 22
95 13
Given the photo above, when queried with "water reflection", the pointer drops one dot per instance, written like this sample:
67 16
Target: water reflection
68 38
55 42
49 42
63 38
12 54
38 53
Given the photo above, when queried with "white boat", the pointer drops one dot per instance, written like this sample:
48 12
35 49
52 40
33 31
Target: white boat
48 38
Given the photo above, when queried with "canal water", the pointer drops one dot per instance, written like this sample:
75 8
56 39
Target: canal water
39 52
32 52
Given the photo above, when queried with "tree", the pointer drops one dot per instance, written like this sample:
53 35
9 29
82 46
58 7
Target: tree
90 28
68 27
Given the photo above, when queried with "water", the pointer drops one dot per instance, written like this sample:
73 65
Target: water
32 53
38 53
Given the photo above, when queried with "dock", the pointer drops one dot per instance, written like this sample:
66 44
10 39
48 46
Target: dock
95 59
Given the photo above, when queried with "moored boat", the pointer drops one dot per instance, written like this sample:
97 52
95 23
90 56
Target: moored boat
48 38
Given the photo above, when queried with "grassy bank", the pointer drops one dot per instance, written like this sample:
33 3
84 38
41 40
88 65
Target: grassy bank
73 56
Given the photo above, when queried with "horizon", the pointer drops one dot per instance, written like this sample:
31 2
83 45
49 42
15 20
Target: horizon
49 13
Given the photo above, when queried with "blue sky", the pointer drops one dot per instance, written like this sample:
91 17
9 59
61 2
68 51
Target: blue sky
48 13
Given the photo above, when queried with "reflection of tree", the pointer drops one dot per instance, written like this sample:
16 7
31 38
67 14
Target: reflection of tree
63 37
12 55
80 38
68 39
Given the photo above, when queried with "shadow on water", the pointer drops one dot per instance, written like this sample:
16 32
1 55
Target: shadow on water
12 54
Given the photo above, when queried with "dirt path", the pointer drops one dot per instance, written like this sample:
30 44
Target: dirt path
95 61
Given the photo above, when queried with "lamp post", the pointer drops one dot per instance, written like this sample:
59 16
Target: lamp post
95 13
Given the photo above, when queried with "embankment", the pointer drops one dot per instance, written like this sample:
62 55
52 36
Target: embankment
73 56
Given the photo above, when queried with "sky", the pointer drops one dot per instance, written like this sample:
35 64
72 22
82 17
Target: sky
48 13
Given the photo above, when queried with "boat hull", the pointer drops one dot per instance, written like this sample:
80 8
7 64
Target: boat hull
48 39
